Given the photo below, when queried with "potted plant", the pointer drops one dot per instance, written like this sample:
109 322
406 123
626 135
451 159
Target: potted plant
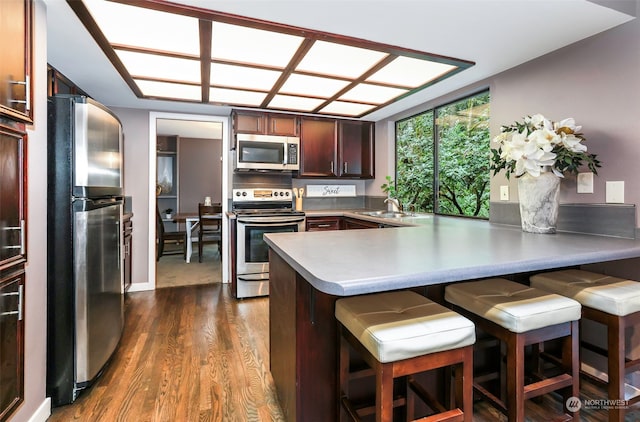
167 213
539 152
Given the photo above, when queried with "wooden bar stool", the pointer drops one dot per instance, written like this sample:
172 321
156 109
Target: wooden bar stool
399 334
519 316
612 301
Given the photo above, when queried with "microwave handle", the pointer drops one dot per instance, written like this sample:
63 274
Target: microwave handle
285 159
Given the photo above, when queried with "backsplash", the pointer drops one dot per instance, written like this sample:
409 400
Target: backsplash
345 203
618 220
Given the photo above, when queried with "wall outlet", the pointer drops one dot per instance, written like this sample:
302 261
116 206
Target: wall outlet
585 183
615 193
504 193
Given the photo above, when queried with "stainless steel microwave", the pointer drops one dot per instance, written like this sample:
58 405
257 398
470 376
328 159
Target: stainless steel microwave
266 153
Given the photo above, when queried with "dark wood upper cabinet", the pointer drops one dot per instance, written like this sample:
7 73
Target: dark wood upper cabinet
331 148
318 147
356 149
249 122
260 123
15 60
282 124
57 83
12 194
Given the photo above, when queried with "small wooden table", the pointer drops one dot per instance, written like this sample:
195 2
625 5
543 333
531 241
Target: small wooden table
191 221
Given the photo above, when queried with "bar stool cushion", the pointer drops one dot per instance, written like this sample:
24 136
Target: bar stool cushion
512 305
400 325
608 294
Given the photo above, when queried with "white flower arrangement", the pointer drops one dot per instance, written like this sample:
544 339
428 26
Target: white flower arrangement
537 143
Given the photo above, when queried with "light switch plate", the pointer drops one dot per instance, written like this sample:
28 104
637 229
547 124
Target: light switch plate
504 193
585 183
615 193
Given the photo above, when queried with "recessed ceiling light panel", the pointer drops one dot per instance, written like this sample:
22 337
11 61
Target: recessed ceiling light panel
343 108
146 28
155 45
328 58
170 90
312 85
243 77
290 102
375 94
236 96
243 44
160 67
410 72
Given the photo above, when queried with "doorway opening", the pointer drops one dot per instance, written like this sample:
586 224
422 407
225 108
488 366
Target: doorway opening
187 166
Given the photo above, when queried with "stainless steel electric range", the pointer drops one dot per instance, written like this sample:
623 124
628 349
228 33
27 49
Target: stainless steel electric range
259 211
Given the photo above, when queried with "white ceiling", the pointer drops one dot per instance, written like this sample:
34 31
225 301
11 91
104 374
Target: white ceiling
495 34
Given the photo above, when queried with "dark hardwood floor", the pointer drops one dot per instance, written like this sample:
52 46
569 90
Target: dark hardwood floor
195 354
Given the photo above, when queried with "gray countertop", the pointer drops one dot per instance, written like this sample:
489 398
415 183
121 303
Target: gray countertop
434 250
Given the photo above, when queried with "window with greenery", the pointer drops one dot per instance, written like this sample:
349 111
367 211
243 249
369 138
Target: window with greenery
445 151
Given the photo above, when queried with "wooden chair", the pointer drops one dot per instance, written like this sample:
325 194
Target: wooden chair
209 229
401 334
519 316
613 302
173 237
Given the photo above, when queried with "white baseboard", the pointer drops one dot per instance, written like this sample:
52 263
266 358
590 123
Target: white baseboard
43 412
141 287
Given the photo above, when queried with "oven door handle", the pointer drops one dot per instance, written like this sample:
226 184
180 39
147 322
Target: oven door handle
270 221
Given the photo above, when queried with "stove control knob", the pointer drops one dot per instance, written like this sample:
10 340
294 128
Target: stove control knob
287 193
237 193
244 193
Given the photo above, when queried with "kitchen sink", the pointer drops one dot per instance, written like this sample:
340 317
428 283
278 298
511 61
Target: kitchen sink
387 214
394 214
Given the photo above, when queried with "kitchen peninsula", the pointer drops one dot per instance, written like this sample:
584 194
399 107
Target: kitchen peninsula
309 271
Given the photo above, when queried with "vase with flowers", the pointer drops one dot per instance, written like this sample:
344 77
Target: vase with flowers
539 152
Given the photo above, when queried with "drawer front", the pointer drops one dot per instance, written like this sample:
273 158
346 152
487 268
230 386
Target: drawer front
322 223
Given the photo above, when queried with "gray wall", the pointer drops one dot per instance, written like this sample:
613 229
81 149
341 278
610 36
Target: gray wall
199 172
36 406
135 124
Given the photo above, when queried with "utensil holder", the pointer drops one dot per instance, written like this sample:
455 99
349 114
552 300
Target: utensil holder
298 204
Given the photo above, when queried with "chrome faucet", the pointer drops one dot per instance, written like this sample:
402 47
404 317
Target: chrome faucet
395 202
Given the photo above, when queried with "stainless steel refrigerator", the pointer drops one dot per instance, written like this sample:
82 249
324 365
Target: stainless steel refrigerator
85 275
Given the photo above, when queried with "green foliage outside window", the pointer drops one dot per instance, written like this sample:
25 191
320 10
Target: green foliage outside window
463 157
414 162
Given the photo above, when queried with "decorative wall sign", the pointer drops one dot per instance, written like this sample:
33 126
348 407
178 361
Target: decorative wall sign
330 191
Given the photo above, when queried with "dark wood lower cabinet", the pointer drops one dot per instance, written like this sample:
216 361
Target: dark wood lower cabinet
314 224
356 223
11 340
303 339
302 345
